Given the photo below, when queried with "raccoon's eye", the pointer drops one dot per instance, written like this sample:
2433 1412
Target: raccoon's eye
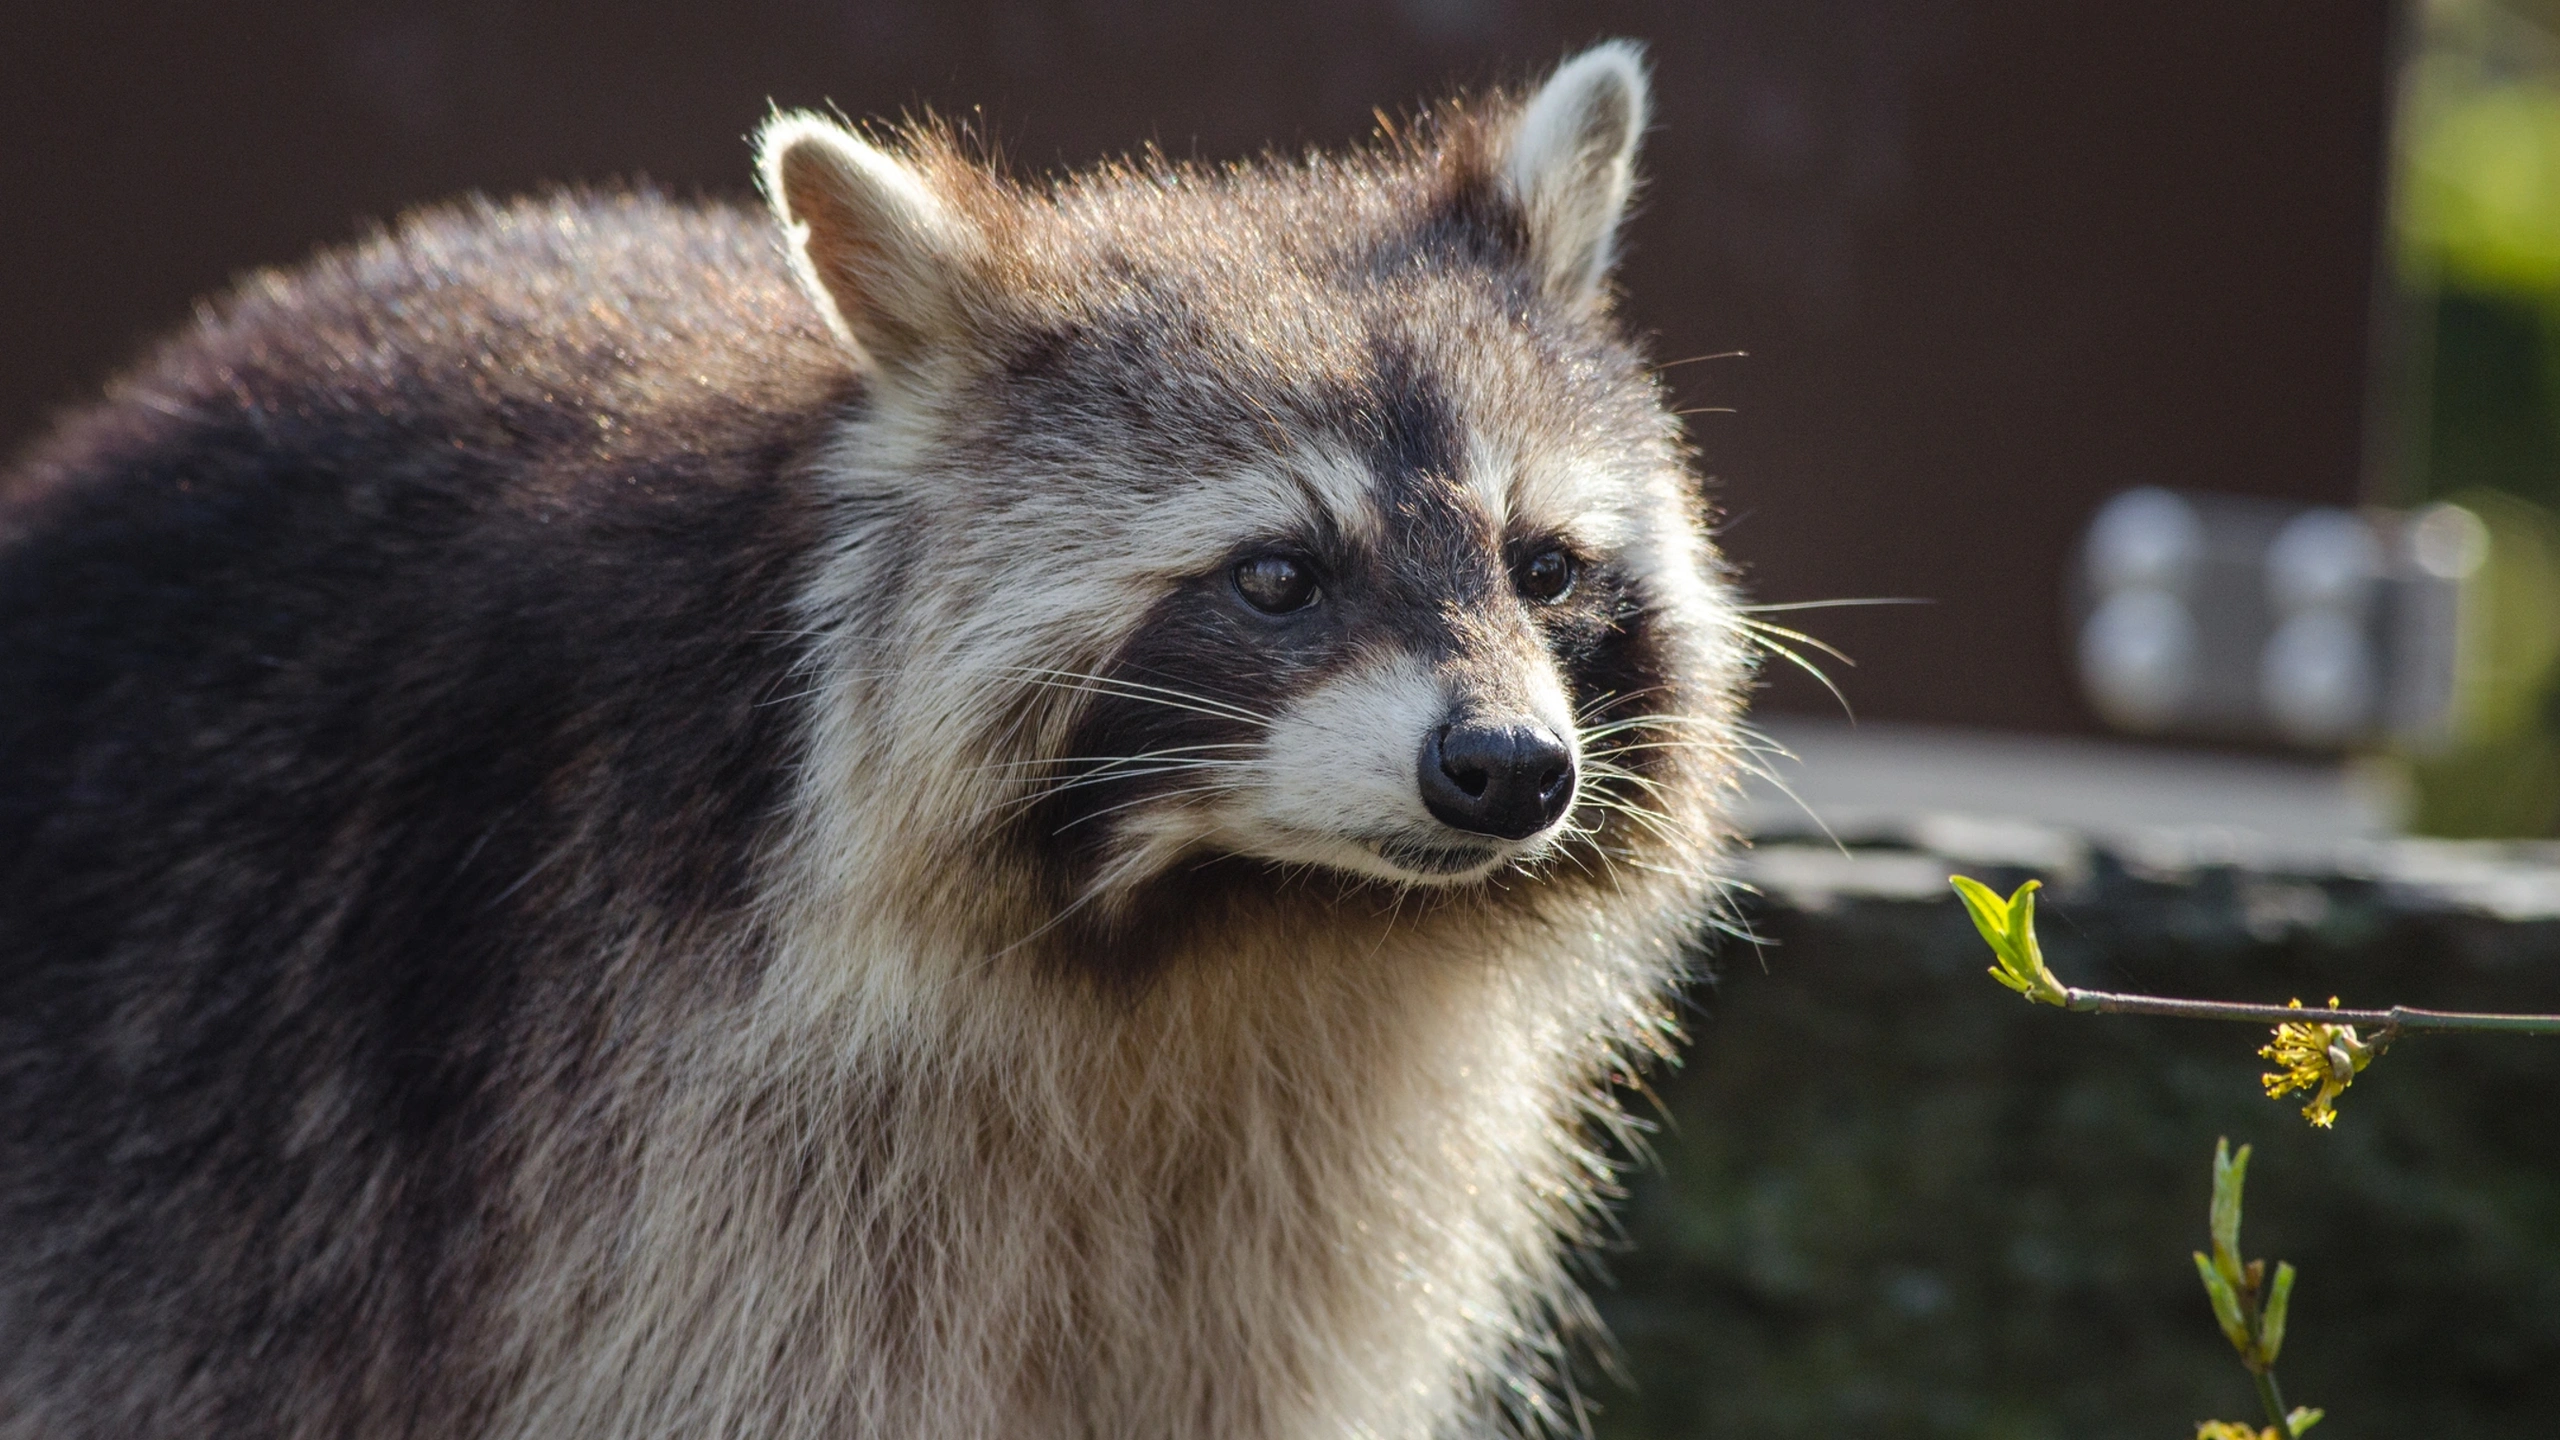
1546 576
1276 584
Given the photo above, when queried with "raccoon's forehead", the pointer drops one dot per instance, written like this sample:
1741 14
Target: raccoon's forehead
1317 411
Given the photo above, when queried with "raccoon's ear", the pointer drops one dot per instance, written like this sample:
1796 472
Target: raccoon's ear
884 256
1570 166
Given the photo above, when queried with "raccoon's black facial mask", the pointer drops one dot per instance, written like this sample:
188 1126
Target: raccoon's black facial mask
1398 696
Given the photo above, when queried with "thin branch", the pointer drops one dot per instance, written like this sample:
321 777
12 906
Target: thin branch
2398 1020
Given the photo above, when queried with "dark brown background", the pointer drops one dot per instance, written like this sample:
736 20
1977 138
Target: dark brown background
1992 259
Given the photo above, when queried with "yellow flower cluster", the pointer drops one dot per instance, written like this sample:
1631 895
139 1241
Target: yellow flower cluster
2322 1059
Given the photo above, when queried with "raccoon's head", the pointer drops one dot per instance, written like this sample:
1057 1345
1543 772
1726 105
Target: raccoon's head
1313 513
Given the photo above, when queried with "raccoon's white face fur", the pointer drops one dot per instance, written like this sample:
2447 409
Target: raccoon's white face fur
1310 515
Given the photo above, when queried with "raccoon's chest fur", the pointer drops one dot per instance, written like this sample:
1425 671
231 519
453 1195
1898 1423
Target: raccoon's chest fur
1162 1224
967 812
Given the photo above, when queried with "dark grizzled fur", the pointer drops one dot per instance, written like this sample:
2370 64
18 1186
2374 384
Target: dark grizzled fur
409 620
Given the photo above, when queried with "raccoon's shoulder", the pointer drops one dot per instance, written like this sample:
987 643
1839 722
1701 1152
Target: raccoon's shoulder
522 471
481 339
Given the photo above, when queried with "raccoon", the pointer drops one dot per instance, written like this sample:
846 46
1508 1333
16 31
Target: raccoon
979 807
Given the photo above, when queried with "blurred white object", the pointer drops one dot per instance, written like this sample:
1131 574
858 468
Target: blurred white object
2137 657
2317 678
2323 559
2232 618
2145 539
2448 542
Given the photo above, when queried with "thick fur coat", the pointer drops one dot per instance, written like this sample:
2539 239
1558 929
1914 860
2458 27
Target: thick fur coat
628 819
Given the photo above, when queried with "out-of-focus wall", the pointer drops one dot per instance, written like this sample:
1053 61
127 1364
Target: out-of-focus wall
1992 259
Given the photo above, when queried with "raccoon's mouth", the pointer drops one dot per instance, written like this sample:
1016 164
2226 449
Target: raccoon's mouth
1434 859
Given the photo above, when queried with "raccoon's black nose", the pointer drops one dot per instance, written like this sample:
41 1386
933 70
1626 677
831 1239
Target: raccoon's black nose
1506 780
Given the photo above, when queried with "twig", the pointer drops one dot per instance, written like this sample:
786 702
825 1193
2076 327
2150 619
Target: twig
2398 1020
2319 1052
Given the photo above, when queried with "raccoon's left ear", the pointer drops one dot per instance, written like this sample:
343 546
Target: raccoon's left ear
1570 166
887 259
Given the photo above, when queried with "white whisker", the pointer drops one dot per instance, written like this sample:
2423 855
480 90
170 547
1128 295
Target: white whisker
1147 800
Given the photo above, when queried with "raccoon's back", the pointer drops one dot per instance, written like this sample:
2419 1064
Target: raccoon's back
408 633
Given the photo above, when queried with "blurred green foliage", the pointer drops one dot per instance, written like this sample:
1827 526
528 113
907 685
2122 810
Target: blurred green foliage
2501 776
2477 255
1889 1204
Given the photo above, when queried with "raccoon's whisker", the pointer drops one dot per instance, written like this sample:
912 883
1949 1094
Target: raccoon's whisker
1589 843
1615 774
1771 778
1567 852
1613 858
1090 685
1605 802
1661 827
1834 604
1754 763
1631 748
1080 770
1574 827
1759 943
1065 912
1632 722
1808 667
1603 798
1651 868
1617 862
1609 700
1228 705
1712 355
1762 628
1654 722
1650 819
1134 690
1106 777
1663 720
1143 755
1763 752
1634 746
1146 699
1025 802
1643 740
1753 740
1145 800
1127 687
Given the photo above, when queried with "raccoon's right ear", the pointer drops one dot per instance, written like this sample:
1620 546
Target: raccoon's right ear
1570 166
886 258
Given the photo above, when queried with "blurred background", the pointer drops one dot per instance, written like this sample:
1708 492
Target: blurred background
2196 363
1991 261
